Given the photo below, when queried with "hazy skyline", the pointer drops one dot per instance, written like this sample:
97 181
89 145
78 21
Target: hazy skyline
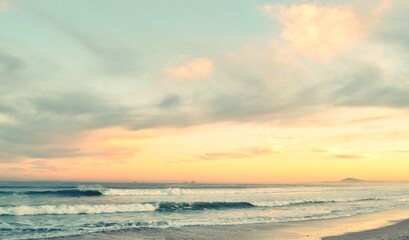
210 91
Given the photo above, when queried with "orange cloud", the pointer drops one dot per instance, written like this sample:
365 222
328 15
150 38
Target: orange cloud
113 143
216 156
381 7
318 31
245 152
195 69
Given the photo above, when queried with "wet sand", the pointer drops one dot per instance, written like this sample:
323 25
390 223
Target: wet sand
390 224
396 231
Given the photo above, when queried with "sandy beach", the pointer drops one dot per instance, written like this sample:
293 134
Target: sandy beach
396 231
390 224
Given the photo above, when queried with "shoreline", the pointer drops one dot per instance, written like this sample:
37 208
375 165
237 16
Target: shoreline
389 224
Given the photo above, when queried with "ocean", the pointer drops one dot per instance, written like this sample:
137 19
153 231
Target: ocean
37 210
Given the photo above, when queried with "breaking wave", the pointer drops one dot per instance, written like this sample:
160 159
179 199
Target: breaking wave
159 206
311 202
179 206
118 208
62 193
75 209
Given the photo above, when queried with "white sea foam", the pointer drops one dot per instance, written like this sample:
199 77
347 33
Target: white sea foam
310 201
75 209
194 191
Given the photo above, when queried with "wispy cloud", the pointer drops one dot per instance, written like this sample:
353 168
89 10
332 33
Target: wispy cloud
255 151
195 69
241 153
342 153
122 61
10 65
222 155
350 156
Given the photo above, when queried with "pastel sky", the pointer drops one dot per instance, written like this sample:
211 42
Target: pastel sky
243 91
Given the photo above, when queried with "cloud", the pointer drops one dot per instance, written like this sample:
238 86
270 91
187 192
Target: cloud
244 152
261 82
367 87
170 101
392 28
396 151
349 156
70 103
9 65
393 136
111 144
382 7
368 119
195 69
49 126
255 151
6 119
339 153
5 5
220 156
316 30
116 61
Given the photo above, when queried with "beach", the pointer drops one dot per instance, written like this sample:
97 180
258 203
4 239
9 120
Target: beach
390 224
399 230
205 119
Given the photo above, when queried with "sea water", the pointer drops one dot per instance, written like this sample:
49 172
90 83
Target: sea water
51 209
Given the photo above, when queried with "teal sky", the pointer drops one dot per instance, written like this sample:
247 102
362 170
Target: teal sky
154 30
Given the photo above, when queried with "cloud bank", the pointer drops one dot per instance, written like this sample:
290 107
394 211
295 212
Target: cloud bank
324 55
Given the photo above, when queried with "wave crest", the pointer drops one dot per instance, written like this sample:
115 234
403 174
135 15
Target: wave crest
118 208
310 202
75 209
61 193
198 206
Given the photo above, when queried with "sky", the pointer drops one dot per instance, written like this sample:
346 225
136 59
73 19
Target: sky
213 91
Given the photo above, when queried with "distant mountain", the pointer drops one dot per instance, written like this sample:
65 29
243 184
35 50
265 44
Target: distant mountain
352 180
